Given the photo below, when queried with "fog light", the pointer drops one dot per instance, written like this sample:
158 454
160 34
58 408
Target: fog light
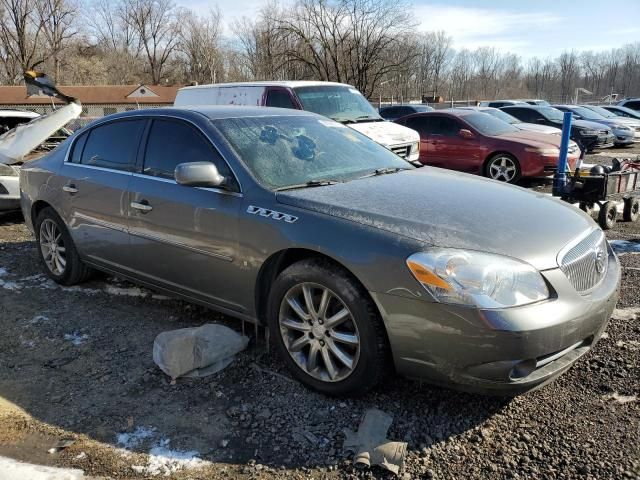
522 369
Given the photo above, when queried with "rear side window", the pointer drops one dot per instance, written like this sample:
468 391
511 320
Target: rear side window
172 142
446 126
280 99
114 145
524 114
635 105
76 153
422 125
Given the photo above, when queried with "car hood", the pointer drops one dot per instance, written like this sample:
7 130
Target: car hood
386 133
533 127
589 124
455 210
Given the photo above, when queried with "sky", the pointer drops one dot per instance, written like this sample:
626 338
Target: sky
528 28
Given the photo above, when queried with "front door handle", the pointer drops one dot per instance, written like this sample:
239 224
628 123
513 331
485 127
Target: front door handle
70 188
143 206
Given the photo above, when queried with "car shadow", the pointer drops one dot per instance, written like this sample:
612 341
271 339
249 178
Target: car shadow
80 359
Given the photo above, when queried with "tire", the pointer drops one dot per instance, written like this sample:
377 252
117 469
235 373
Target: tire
356 322
631 210
607 215
50 229
586 207
503 167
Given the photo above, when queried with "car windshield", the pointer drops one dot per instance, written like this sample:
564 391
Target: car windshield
552 114
504 116
284 151
586 113
488 125
341 103
603 111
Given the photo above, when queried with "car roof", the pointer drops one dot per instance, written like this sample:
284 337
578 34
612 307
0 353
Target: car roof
215 112
282 83
458 112
525 105
478 109
18 114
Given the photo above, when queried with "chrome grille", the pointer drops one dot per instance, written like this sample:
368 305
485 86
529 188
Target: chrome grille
401 151
585 263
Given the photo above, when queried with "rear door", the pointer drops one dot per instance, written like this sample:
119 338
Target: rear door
423 124
95 196
185 237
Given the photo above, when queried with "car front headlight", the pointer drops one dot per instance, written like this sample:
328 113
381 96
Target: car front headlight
545 152
415 147
8 171
622 127
483 280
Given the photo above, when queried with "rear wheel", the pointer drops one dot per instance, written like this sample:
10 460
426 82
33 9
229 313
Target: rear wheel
503 167
57 251
631 210
327 329
607 215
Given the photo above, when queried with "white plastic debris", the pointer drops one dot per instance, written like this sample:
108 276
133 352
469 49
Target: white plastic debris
370 444
197 352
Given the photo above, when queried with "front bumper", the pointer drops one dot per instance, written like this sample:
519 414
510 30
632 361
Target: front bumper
624 139
9 193
484 351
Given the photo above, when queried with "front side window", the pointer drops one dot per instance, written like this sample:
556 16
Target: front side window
113 145
446 126
338 102
172 142
283 151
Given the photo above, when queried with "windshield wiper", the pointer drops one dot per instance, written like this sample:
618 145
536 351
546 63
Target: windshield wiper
309 184
383 171
368 118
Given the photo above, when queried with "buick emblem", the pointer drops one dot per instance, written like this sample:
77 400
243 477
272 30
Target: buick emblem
599 260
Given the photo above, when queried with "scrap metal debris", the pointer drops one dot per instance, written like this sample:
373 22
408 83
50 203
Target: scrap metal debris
197 352
370 444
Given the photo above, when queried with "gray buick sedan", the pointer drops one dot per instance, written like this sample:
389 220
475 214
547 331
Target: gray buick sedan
358 263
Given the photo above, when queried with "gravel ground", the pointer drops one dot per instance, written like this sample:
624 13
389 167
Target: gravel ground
75 363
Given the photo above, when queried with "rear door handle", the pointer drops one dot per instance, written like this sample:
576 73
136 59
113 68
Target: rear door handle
71 188
143 206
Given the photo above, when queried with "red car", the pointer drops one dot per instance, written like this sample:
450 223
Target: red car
474 142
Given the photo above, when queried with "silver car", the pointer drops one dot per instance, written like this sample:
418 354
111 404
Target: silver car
358 263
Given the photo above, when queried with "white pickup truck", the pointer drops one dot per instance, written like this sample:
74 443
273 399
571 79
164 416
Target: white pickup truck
338 101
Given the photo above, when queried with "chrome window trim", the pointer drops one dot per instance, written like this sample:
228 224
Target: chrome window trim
105 169
151 116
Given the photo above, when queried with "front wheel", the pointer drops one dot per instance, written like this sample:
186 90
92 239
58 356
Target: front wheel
503 167
327 329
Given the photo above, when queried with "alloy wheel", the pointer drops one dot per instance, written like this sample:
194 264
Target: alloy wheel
502 169
52 247
319 332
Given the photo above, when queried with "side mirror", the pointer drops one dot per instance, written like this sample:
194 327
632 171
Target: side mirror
198 174
465 133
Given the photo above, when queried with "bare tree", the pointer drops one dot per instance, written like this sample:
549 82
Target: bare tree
199 39
20 35
57 18
156 29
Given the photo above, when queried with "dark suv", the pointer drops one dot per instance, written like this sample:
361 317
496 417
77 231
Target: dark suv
588 135
394 112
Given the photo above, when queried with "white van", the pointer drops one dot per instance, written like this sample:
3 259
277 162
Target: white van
337 101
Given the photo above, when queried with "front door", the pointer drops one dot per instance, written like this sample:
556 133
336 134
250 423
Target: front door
185 237
449 149
95 194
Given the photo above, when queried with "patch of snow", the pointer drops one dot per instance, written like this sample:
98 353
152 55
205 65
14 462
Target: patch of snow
626 313
76 338
12 469
616 397
132 440
127 292
604 335
3 272
80 456
164 461
9 285
38 319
